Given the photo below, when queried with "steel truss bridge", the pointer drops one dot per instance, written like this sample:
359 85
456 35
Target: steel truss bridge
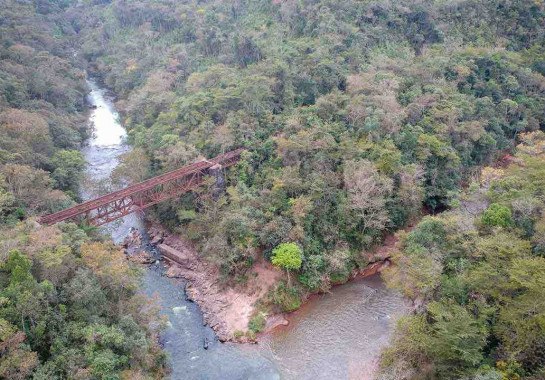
141 195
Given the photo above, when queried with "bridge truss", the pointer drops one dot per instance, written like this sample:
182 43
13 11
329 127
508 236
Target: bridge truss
139 196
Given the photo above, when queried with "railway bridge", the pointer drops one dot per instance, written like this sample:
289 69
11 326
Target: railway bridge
141 195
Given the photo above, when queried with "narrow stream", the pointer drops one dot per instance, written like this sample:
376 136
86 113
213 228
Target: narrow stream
335 336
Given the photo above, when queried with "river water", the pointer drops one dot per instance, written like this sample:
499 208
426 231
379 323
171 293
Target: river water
334 336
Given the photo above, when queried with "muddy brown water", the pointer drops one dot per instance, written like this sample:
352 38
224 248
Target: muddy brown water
337 335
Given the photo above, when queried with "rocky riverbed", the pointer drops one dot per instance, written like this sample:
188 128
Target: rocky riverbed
226 310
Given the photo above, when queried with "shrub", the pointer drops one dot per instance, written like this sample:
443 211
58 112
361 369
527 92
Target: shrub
339 277
257 323
251 335
288 298
288 256
497 215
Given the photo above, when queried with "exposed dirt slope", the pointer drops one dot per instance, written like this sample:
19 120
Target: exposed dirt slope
225 309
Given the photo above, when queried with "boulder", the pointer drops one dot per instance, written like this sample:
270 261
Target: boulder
174 255
156 240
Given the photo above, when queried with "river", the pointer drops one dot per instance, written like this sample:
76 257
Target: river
334 336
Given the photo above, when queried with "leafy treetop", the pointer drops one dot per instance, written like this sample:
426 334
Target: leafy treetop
288 256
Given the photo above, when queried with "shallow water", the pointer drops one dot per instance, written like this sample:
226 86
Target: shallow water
335 336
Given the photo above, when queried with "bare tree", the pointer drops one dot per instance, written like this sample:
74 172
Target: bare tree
367 192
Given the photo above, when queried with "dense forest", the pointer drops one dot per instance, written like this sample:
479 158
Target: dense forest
401 102
42 104
359 118
69 306
477 272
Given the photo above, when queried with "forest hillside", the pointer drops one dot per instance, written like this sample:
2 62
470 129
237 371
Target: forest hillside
358 118
400 101
69 301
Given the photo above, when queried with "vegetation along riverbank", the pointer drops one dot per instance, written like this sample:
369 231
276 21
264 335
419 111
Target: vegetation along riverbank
355 117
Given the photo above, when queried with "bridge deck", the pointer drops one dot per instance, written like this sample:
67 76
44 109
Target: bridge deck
225 160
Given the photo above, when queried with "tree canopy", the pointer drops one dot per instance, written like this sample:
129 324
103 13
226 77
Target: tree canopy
359 117
288 256
480 290
70 308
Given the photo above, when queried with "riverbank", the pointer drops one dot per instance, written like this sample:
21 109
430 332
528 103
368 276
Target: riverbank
184 336
228 310
326 322
342 326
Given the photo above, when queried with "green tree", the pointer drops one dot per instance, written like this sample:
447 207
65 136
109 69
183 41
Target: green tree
457 339
288 256
69 166
133 167
520 323
16 360
497 215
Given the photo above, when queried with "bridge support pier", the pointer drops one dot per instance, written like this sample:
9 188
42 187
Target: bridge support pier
216 171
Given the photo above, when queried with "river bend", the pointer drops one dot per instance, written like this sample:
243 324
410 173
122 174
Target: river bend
335 336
